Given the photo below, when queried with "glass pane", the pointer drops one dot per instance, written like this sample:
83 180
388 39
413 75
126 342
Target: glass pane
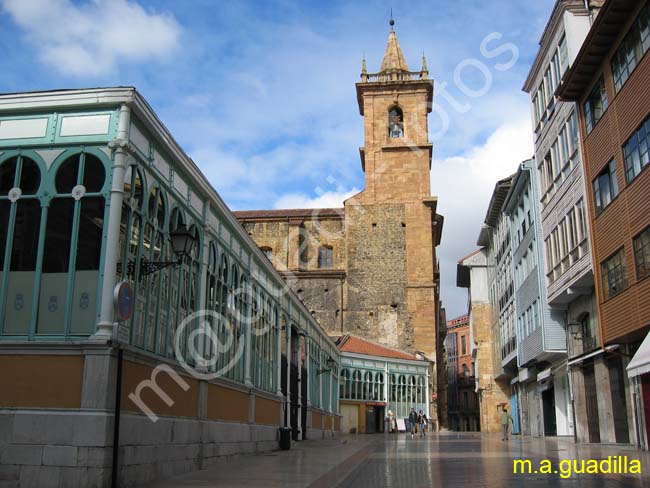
20 287
84 302
94 174
66 176
51 309
138 190
5 206
7 175
91 225
30 177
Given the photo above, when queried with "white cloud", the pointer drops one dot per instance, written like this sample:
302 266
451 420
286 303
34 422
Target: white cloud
330 199
91 38
464 185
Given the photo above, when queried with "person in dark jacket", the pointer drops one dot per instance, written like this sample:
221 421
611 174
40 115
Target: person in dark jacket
413 420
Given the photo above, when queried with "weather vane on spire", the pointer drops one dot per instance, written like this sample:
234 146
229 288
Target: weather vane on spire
392 21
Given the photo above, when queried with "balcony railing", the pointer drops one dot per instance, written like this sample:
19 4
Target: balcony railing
393 76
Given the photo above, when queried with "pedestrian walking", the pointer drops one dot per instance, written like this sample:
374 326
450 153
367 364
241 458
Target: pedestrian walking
506 419
423 423
413 420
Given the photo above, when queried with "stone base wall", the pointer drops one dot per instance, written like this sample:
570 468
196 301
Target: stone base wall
53 448
60 449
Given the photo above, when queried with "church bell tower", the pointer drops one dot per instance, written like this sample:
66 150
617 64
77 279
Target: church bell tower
392 228
395 103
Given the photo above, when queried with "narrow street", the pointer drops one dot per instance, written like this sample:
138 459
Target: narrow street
448 459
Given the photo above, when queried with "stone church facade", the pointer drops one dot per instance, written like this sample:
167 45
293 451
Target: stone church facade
370 268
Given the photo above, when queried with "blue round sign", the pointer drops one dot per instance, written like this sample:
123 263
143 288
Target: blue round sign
124 300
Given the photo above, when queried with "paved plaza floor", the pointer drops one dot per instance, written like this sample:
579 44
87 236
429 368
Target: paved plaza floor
438 460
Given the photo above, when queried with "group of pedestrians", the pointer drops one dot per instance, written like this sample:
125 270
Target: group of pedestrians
419 419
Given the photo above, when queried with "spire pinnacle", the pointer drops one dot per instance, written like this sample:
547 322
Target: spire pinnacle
425 69
393 57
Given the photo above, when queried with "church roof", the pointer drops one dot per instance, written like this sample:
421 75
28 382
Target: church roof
350 343
393 57
289 213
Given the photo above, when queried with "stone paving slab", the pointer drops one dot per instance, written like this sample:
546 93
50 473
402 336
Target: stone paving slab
438 460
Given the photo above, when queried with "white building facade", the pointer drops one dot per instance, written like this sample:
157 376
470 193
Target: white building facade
568 269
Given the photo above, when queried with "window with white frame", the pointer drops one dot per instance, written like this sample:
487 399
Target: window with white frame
614 274
605 187
642 254
637 151
596 104
635 44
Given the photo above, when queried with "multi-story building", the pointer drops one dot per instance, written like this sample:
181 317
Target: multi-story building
568 276
609 80
495 238
541 336
370 268
493 394
112 245
462 404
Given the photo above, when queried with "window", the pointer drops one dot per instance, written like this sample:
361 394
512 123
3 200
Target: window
325 257
557 74
537 109
463 344
582 223
573 133
268 252
556 158
572 230
642 254
596 104
548 88
565 152
395 123
465 370
637 151
613 273
605 187
632 49
564 54
548 170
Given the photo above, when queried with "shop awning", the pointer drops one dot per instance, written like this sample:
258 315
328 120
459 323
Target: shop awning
640 363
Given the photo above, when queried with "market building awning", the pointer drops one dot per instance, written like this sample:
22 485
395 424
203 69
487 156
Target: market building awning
640 363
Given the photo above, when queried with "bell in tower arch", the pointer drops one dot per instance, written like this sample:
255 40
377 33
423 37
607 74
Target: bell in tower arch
395 123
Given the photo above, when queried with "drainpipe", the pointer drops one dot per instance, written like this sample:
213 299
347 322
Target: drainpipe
342 282
116 422
119 145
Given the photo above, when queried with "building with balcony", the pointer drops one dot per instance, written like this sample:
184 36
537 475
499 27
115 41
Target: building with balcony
462 399
609 81
493 394
541 335
495 238
569 277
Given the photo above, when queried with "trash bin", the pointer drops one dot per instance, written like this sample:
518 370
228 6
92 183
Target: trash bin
285 438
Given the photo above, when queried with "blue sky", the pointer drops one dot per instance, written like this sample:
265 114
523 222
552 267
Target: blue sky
261 94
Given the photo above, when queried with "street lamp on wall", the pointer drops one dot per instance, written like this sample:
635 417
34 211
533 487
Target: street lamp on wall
330 365
182 241
575 329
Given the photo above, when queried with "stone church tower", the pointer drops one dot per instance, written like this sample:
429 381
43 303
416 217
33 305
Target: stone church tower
370 268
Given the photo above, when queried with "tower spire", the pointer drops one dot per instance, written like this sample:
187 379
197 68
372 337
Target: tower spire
393 57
